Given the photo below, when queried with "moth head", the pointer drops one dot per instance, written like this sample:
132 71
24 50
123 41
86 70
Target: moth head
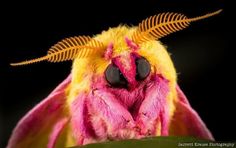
134 65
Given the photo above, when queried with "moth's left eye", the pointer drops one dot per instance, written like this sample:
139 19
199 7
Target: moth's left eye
143 68
114 76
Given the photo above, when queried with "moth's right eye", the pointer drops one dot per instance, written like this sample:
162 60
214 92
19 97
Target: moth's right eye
114 76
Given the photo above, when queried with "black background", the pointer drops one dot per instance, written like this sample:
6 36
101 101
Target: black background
203 53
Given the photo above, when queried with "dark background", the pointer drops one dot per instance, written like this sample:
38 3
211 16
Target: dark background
203 53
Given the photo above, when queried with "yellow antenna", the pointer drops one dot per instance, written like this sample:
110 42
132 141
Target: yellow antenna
68 49
160 25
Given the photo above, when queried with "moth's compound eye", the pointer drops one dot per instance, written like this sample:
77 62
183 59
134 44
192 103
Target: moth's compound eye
143 68
114 76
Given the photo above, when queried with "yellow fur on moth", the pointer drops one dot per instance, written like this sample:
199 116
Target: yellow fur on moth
153 51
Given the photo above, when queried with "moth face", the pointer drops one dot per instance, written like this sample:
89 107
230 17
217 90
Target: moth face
127 71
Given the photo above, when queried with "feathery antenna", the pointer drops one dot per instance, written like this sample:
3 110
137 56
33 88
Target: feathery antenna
68 49
163 24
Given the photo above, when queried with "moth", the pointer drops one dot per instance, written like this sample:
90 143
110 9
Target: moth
122 85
